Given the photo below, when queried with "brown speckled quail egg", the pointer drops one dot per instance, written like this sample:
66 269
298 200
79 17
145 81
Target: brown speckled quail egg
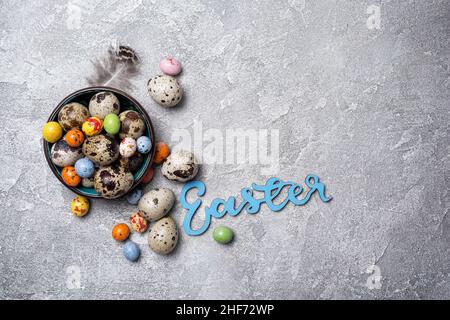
180 166
156 203
133 163
104 103
64 155
165 90
131 124
101 149
112 181
163 236
73 115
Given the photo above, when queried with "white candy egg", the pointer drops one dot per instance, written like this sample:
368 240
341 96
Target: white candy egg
127 147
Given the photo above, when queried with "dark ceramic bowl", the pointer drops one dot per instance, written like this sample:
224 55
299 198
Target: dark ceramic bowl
127 102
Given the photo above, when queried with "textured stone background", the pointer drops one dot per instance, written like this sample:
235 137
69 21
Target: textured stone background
365 109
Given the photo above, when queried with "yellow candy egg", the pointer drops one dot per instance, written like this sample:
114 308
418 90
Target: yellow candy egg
92 126
52 131
80 206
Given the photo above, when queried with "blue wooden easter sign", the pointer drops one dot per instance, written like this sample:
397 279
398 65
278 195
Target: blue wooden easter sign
220 207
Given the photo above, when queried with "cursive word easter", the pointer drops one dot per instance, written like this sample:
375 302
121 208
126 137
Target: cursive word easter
271 190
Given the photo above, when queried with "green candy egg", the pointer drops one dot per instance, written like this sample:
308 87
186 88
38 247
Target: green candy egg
223 235
111 123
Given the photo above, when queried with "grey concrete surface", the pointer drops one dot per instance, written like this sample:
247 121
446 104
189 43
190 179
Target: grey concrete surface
366 109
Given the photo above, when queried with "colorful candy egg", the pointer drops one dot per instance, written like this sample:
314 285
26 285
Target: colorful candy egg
223 235
127 147
148 176
92 126
162 151
131 251
70 176
134 197
74 138
111 123
52 131
170 66
120 232
84 168
138 223
144 144
80 206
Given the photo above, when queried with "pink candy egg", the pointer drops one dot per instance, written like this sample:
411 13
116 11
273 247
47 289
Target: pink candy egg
170 66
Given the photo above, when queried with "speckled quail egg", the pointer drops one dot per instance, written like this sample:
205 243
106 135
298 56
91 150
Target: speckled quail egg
133 163
73 115
112 181
180 166
163 236
64 155
131 124
87 182
165 90
156 203
104 103
101 149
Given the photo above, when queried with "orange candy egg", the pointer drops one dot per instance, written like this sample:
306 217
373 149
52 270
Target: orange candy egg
120 232
74 138
162 151
70 176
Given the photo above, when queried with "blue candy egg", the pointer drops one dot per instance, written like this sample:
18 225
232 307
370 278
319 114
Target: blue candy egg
144 144
134 197
84 168
131 251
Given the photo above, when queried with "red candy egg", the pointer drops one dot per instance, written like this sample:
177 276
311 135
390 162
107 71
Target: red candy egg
148 176
138 222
